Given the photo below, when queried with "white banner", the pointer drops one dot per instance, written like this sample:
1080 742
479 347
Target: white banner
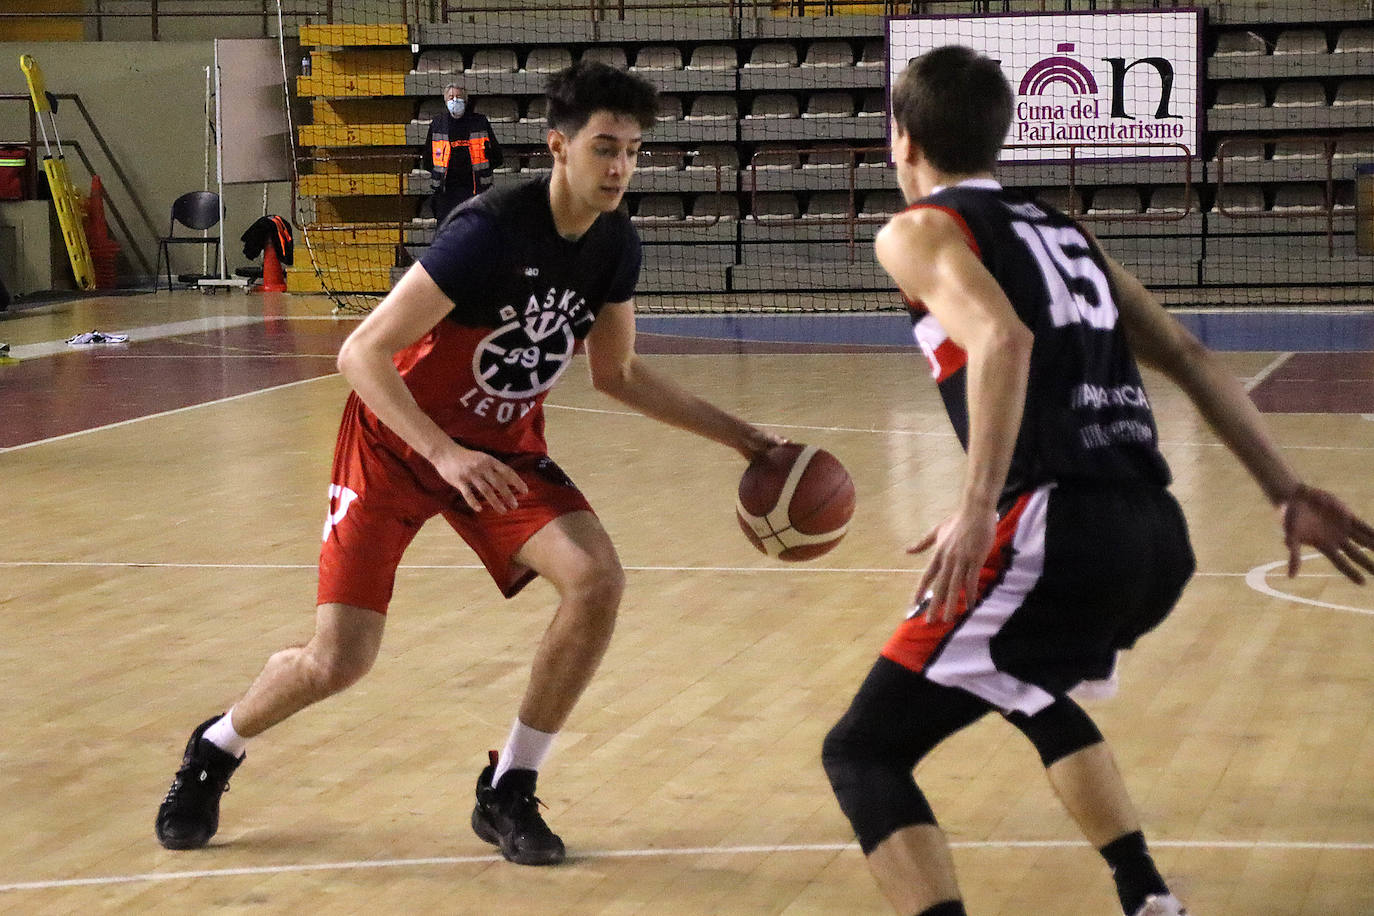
1101 85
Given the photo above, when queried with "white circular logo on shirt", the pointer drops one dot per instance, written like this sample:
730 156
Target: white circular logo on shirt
520 359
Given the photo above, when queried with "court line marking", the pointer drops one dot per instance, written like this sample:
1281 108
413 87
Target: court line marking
139 334
947 434
133 564
162 413
1165 443
1255 578
1267 371
359 864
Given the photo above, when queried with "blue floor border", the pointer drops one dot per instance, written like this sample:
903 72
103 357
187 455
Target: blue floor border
1275 330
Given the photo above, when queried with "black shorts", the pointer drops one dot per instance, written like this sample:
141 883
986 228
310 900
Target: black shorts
1078 572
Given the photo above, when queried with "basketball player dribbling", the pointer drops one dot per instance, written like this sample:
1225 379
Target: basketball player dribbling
449 375
1066 545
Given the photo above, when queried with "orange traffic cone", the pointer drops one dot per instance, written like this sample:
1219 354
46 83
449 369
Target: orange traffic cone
273 276
104 250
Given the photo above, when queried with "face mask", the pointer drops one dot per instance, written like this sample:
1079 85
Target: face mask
456 107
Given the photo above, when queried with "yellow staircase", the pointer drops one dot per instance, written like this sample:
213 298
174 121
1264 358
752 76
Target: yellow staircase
358 166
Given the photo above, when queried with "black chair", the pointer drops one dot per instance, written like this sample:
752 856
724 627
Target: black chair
198 210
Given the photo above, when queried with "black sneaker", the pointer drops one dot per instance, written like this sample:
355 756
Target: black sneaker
189 815
508 816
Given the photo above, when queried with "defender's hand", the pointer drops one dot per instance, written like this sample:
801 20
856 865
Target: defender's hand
1317 518
962 543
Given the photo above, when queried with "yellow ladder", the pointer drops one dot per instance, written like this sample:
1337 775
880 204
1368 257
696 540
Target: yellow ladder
59 182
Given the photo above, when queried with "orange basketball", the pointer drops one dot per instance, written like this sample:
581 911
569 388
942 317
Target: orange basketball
795 501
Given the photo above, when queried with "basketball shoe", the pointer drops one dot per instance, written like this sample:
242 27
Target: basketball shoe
1161 905
508 816
189 815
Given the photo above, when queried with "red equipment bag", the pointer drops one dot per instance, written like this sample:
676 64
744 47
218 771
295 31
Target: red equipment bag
14 172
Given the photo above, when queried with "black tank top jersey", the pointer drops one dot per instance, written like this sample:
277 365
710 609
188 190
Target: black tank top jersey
1087 417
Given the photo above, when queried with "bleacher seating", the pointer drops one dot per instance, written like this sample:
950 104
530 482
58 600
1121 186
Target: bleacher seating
440 60
1355 92
1239 198
774 205
713 106
1300 94
713 57
493 60
1115 201
715 207
1355 40
782 106
775 156
546 60
829 105
607 54
1306 197
829 54
1300 41
499 109
1172 199
1239 95
536 110
829 157
662 158
1065 200
772 54
1240 44
829 205
774 105
659 208
882 204
669 108
713 157
658 57
874 54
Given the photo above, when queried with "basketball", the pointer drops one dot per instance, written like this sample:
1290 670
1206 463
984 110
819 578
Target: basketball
795 502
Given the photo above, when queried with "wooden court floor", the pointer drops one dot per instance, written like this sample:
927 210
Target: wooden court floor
160 506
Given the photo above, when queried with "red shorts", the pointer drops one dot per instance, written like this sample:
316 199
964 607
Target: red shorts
382 492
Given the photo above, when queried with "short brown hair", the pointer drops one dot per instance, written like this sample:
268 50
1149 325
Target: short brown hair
588 86
956 105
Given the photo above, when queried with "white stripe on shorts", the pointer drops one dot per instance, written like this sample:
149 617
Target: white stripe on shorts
965 661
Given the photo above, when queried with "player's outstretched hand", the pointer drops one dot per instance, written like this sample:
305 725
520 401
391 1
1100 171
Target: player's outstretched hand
1318 519
481 479
962 543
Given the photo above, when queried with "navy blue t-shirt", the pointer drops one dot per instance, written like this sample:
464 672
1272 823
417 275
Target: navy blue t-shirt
502 247
523 296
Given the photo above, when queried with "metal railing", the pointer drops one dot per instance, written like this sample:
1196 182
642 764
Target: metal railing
297 12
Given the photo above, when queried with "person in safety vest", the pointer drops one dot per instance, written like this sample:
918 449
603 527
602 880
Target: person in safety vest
460 153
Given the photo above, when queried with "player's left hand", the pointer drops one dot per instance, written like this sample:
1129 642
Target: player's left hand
1317 518
962 543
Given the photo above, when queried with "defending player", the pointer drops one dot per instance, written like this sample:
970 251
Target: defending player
449 374
1065 546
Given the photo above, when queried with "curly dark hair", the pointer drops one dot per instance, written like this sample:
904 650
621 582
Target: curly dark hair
956 105
588 86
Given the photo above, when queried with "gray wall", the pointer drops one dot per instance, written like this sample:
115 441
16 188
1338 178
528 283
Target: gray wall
148 101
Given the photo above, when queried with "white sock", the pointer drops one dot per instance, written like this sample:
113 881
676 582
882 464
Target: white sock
223 736
525 749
